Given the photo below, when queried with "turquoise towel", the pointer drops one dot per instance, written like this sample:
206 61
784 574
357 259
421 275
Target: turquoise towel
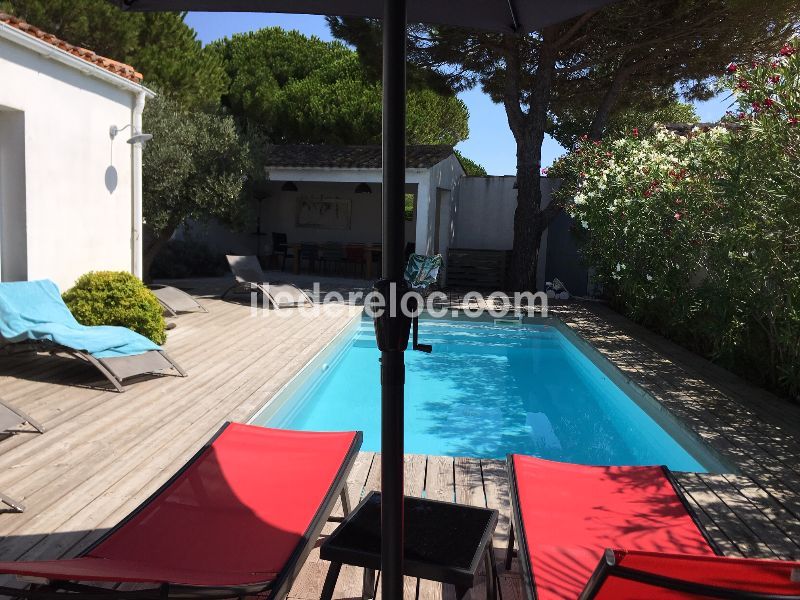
34 310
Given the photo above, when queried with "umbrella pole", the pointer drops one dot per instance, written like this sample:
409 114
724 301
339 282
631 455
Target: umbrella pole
392 362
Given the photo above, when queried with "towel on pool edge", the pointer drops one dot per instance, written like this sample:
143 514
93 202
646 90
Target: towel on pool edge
34 310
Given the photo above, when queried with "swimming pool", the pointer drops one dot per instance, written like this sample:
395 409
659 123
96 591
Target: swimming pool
487 390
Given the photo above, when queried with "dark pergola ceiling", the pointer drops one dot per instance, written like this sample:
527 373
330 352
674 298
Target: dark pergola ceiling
488 15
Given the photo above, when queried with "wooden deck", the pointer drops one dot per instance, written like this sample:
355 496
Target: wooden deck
104 452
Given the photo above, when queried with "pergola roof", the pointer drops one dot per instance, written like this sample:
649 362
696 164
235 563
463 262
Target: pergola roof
326 156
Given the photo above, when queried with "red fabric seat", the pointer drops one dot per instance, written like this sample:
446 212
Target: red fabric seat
571 513
233 517
779 578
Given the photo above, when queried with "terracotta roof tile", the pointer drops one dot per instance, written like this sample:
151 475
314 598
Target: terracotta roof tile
323 156
118 68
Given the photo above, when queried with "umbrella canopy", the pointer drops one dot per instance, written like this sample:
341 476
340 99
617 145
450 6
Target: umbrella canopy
492 15
392 331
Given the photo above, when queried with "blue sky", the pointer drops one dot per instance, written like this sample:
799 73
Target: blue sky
490 142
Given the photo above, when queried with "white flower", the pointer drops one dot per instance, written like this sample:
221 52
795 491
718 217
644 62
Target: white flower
580 199
620 267
585 224
649 278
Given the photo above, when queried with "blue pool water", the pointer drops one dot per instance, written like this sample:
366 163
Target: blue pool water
485 391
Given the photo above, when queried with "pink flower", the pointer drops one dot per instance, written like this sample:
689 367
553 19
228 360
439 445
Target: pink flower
775 78
635 132
756 106
544 172
794 121
788 50
768 103
731 68
743 85
677 216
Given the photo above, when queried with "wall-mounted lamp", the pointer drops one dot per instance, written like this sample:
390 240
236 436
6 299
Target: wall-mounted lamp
136 138
363 188
289 186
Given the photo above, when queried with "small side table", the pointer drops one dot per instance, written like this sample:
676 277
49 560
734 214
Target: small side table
444 542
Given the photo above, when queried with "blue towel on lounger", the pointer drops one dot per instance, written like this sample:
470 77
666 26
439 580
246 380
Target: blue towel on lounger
34 310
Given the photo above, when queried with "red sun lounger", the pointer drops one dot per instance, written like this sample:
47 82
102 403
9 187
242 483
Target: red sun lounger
566 515
631 575
239 519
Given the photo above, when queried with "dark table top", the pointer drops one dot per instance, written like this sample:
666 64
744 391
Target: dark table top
443 541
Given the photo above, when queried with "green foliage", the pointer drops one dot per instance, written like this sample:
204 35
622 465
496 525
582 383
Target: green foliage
180 259
304 90
472 168
570 125
159 45
116 298
698 236
195 166
408 207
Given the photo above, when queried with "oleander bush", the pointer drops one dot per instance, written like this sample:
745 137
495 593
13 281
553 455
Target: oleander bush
116 298
698 235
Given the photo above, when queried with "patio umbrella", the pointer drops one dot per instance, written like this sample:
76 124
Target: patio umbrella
511 16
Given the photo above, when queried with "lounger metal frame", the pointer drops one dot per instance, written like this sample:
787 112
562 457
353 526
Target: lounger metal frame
257 282
246 287
104 365
275 589
608 566
171 311
518 531
24 417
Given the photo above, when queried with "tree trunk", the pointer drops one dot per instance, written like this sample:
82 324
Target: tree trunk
153 248
529 219
603 113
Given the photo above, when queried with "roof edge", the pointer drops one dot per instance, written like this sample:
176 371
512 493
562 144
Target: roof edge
47 50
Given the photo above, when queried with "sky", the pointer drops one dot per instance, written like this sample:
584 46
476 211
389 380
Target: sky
490 141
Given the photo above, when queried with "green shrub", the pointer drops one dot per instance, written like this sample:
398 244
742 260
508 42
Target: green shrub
116 298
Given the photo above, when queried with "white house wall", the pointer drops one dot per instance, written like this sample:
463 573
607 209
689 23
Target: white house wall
78 210
444 176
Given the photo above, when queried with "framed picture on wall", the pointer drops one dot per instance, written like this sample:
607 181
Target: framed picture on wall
322 212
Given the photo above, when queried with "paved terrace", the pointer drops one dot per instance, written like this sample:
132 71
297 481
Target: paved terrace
104 452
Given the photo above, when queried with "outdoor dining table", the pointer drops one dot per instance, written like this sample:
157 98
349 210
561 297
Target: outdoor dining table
369 251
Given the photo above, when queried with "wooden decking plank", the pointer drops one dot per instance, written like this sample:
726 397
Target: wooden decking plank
745 540
439 481
750 516
686 483
439 485
469 482
495 486
767 504
414 479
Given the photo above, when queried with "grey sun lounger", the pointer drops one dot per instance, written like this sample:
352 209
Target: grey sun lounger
11 418
251 278
175 301
33 317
